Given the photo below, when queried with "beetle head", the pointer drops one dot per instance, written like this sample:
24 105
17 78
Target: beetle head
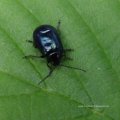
54 58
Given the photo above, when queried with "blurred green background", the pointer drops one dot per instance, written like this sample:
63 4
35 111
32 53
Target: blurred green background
92 29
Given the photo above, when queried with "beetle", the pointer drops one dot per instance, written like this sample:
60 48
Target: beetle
46 39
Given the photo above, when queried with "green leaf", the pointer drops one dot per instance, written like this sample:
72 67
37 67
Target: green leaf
92 29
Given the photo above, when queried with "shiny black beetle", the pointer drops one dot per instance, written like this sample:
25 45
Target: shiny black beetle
46 38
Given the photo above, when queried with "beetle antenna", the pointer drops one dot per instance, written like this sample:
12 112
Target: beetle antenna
49 74
72 67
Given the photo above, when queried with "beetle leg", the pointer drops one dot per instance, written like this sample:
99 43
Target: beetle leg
32 56
64 55
58 26
49 74
67 58
68 50
30 41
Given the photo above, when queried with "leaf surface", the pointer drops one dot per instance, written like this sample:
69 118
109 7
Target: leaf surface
91 28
